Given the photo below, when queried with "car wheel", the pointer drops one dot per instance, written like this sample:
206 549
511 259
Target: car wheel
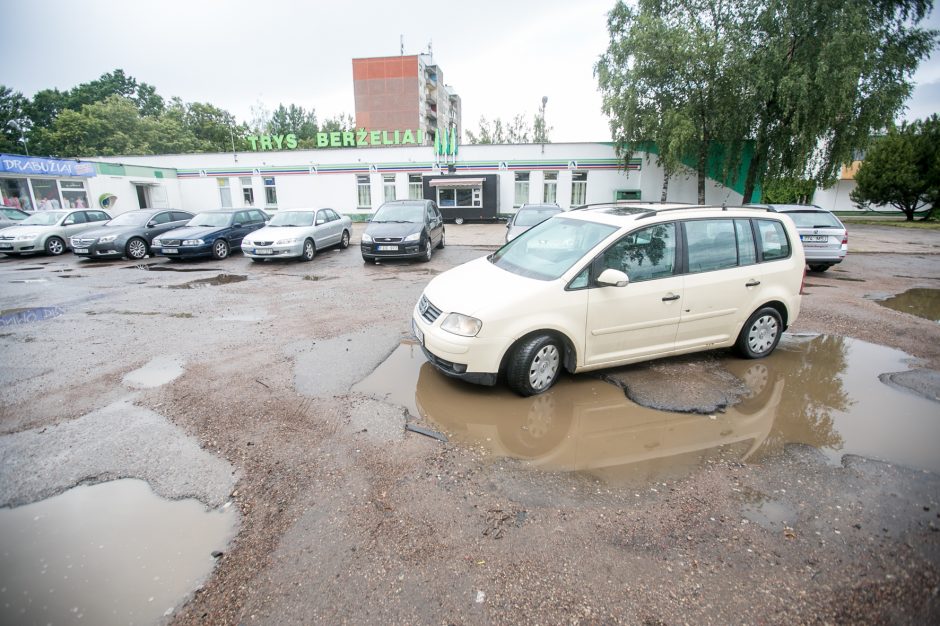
135 249
534 365
309 252
458 221
440 246
819 268
55 246
760 334
344 242
220 249
427 251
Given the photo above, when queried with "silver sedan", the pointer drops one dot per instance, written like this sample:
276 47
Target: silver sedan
298 233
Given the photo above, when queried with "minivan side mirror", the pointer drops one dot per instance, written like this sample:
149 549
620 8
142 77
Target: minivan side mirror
237 225
613 278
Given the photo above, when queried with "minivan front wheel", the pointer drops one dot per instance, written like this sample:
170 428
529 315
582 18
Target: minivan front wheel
427 250
761 334
534 365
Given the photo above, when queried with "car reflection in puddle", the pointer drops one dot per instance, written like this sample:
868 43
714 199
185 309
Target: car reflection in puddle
821 391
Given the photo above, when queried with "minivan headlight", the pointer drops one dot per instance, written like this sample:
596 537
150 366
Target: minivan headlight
462 325
412 237
366 238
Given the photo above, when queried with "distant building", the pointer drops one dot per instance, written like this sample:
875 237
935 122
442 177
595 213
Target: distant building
404 92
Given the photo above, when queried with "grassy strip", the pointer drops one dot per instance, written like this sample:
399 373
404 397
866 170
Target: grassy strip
894 222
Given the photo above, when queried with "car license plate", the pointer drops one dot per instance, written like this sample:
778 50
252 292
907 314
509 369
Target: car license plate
80 250
170 251
815 238
388 248
417 331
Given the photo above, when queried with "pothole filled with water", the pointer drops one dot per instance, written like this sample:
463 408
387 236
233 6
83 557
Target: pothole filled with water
921 302
14 317
221 279
822 391
114 553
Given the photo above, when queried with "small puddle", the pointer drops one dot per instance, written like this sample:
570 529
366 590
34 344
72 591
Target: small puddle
821 391
23 281
154 267
114 553
159 371
221 279
14 317
921 302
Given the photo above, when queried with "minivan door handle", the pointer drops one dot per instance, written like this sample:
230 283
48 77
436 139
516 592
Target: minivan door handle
670 297
752 283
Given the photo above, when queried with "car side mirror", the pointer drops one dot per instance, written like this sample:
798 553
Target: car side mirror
237 225
320 223
613 278
508 224
151 224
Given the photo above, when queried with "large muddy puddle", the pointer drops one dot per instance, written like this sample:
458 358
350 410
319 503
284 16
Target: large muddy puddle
921 302
822 391
114 553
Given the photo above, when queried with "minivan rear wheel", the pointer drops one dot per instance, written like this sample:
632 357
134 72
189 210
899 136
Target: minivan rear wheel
761 334
534 365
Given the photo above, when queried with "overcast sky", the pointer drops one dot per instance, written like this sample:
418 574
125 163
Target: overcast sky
500 56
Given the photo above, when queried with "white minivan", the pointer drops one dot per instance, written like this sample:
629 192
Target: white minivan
613 284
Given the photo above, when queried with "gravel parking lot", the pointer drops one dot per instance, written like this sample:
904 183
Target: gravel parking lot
238 382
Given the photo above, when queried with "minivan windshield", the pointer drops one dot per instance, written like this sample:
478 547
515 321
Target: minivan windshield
548 250
400 213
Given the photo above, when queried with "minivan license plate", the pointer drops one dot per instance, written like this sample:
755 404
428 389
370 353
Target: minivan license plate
417 331
388 248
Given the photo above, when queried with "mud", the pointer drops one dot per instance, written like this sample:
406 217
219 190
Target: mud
221 279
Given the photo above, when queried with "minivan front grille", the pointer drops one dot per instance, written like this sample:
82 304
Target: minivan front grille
428 311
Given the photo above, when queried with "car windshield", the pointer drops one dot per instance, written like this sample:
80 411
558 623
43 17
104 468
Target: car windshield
132 218
400 213
13 214
44 218
211 219
292 218
548 250
814 219
531 217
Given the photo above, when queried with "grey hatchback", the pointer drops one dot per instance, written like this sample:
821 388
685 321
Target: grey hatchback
825 238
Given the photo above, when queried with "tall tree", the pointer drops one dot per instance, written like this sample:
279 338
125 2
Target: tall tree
13 125
671 75
516 130
824 75
902 169
293 119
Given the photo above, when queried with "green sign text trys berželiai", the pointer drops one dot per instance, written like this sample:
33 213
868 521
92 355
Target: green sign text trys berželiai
341 139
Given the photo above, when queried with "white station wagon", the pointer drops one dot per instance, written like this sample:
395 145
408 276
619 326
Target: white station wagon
613 284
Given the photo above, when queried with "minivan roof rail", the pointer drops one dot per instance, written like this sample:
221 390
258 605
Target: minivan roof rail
615 203
723 207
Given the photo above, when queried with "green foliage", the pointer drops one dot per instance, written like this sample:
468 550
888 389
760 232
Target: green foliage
515 131
12 114
902 169
807 81
789 191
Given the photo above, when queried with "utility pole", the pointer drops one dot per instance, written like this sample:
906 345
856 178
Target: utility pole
544 129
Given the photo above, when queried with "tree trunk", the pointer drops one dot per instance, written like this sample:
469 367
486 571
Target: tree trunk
702 162
756 165
666 176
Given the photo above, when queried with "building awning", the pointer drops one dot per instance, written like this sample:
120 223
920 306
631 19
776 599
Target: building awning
148 183
457 182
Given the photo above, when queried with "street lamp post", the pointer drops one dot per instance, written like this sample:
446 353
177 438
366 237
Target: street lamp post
542 113
18 125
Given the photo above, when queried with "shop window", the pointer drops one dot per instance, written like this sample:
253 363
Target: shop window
73 194
459 197
364 191
578 188
47 194
270 192
14 192
225 193
248 192
415 190
388 186
550 194
522 189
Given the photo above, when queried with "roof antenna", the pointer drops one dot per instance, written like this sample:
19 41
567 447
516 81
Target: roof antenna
430 52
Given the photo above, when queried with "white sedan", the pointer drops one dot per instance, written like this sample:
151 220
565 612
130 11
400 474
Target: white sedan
298 233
